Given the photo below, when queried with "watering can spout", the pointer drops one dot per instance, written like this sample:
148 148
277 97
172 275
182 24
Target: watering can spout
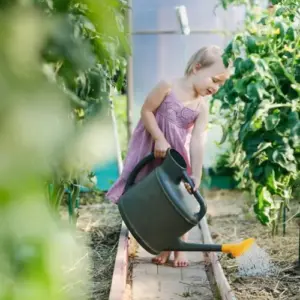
238 249
234 249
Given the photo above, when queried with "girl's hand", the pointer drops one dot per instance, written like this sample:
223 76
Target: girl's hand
160 148
196 181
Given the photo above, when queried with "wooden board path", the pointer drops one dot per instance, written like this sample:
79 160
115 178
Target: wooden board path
150 282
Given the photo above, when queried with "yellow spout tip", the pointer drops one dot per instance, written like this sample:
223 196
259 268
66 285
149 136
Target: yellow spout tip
238 249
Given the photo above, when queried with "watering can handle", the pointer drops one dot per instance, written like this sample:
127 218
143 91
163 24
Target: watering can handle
148 159
197 195
142 163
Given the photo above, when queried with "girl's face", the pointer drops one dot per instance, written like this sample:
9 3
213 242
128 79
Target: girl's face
207 81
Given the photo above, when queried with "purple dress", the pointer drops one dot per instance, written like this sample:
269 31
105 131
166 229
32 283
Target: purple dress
176 122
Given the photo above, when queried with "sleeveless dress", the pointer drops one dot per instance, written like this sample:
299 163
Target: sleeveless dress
176 122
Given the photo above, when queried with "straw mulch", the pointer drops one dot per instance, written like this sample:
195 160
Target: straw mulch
283 251
99 225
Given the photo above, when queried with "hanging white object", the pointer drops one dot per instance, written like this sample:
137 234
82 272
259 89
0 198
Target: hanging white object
183 19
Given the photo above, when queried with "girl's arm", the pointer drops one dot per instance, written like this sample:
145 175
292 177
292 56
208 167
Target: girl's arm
153 101
197 146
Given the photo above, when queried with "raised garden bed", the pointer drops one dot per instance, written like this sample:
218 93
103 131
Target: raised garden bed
282 251
98 227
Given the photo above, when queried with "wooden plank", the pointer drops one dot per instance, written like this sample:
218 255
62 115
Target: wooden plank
118 285
194 273
169 270
145 286
220 278
162 287
145 267
170 288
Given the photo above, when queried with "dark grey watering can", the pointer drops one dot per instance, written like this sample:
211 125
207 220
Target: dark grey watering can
158 210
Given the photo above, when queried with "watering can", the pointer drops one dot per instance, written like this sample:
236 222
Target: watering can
158 209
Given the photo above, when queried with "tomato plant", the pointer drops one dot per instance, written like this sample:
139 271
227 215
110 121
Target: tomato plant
261 105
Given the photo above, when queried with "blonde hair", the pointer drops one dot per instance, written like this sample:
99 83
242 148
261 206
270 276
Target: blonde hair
206 57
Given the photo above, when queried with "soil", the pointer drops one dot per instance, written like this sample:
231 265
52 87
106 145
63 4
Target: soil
231 219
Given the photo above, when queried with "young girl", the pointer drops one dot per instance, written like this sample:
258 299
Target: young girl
175 115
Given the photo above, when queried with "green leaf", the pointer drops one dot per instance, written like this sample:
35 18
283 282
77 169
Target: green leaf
280 26
251 45
248 65
224 135
270 180
273 137
262 215
297 73
232 97
260 115
220 95
251 143
265 197
250 109
295 136
280 11
261 147
61 5
290 34
293 119
283 158
274 2
257 174
238 66
228 49
264 202
96 82
224 3
245 129
263 20
253 91
241 86
272 120
226 60
229 85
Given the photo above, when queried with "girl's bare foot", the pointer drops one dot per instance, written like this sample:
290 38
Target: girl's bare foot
161 258
180 259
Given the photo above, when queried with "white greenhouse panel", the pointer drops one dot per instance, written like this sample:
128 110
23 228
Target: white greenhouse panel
157 55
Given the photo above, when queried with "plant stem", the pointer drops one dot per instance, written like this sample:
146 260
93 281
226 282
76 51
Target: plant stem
73 201
280 105
273 228
284 219
279 217
56 193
